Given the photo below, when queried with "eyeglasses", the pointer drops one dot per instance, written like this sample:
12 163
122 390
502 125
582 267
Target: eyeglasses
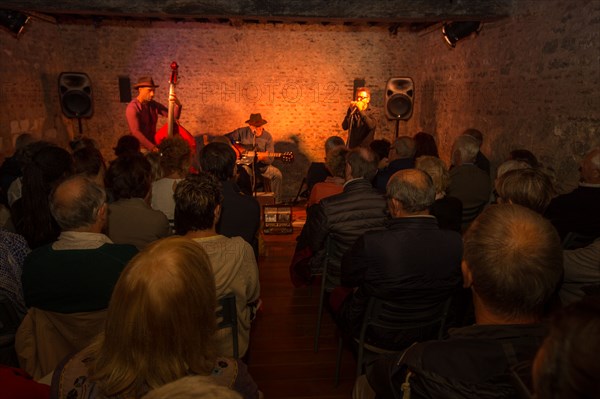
360 98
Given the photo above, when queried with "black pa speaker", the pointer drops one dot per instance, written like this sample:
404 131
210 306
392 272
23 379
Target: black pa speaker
75 91
399 94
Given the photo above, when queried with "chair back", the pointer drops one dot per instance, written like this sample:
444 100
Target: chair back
227 318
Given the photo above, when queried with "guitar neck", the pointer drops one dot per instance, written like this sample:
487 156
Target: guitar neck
171 115
263 153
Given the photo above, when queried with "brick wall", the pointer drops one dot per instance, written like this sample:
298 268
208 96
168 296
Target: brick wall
530 80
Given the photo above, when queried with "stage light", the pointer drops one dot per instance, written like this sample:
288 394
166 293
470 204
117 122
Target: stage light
455 31
13 21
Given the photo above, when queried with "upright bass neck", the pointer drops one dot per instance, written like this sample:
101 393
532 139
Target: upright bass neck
171 114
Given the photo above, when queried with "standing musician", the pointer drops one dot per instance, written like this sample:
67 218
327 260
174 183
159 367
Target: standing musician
360 120
142 112
255 138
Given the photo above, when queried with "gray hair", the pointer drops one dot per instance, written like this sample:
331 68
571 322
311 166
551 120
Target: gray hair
413 188
79 208
332 142
468 148
363 162
404 147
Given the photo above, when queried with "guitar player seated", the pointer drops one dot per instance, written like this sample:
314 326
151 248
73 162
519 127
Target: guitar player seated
252 140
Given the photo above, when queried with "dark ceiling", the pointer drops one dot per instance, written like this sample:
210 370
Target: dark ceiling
413 15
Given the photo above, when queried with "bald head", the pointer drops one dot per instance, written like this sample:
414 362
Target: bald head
590 167
515 260
75 204
413 189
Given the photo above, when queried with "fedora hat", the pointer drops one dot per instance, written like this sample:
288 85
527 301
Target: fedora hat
144 81
256 120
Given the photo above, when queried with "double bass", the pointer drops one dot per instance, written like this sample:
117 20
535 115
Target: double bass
172 126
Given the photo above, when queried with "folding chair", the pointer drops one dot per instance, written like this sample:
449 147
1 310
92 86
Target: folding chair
322 295
402 314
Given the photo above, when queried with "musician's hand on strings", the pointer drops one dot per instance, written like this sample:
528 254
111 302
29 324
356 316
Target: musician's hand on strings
173 98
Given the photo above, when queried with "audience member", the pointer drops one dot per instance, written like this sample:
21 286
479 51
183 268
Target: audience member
240 213
25 157
425 145
582 270
159 328
31 213
127 144
317 171
82 142
529 187
13 250
411 260
470 184
579 210
401 157
198 202
131 220
381 147
512 262
78 272
334 184
344 217
566 365
90 162
524 155
196 387
11 168
447 210
481 160
175 162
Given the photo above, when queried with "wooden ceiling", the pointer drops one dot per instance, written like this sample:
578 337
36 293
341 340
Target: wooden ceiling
392 14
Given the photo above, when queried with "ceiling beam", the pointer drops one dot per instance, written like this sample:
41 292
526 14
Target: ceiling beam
376 11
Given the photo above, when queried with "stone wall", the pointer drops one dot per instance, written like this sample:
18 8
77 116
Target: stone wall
526 81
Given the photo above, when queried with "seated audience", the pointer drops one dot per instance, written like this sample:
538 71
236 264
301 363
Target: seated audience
425 145
159 328
447 210
470 184
567 366
523 155
77 272
578 211
411 260
582 270
196 387
240 213
198 202
401 157
317 171
31 213
481 160
512 263
131 220
11 168
175 161
342 218
529 187
13 250
380 147
89 162
334 184
127 144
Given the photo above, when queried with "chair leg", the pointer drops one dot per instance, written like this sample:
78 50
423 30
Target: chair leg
338 360
319 317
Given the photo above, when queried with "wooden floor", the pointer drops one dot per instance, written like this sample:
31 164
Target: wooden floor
281 356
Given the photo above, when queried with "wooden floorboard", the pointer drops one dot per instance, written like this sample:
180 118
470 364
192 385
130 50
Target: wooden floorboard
281 357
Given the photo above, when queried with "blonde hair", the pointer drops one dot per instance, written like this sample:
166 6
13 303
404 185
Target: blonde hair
160 321
196 387
436 169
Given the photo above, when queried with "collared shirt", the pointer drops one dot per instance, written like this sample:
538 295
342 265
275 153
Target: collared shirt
80 240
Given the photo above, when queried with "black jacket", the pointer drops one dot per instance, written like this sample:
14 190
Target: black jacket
343 218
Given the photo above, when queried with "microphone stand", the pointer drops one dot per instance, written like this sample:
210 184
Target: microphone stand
254 161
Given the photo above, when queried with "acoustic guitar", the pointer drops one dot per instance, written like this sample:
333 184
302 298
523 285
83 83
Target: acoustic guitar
172 126
245 156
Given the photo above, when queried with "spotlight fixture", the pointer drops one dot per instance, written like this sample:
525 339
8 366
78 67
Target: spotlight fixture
13 21
455 31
